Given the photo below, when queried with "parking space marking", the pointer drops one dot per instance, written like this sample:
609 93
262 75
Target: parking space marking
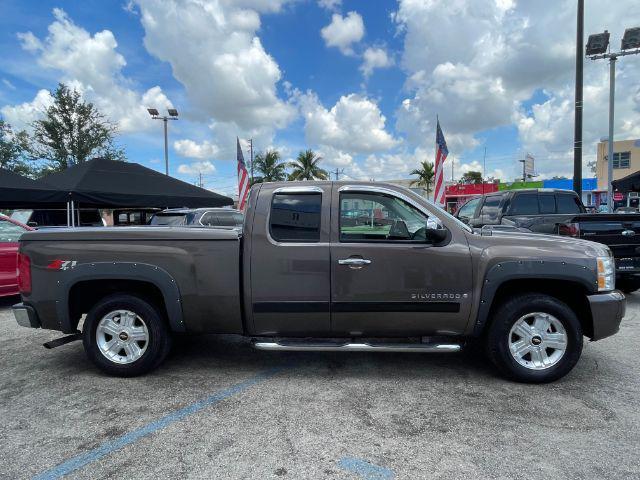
366 470
128 438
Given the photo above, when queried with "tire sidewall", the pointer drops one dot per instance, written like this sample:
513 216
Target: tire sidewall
505 318
155 326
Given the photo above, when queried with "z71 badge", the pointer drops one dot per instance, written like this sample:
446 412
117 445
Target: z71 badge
61 264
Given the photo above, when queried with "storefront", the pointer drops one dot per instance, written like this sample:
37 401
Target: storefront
458 194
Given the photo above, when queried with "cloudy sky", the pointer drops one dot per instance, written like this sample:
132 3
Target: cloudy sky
361 82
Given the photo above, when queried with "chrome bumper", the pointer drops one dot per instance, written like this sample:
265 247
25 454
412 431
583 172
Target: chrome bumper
607 310
26 316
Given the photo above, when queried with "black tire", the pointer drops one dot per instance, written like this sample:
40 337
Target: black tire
504 318
627 286
157 347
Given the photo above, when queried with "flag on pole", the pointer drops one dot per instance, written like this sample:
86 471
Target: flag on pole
243 179
441 155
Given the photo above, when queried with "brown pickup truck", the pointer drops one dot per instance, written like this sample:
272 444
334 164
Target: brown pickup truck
326 266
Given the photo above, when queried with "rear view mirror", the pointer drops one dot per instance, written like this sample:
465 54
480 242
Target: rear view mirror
435 231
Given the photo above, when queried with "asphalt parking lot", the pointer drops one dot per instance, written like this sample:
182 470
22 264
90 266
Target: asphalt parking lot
219 409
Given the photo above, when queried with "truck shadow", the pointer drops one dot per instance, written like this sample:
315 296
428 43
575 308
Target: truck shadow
236 353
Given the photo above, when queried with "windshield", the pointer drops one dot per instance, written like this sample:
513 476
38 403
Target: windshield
21 215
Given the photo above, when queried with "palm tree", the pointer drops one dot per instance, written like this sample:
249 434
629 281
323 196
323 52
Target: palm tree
268 164
425 176
306 167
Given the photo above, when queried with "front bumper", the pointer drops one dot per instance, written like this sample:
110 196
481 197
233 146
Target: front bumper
26 316
607 310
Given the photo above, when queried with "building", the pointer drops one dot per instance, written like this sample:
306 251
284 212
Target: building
457 194
589 187
626 160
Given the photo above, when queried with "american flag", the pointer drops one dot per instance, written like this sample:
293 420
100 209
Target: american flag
441 155
243 180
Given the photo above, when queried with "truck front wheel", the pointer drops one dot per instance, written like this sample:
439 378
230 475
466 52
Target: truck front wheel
124 335
534 338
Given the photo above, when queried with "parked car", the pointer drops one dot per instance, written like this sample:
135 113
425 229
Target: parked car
626 210
47 218
201 217
298 279
560 212
10 231
126 217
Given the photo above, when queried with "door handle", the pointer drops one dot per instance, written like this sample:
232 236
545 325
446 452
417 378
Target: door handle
354 262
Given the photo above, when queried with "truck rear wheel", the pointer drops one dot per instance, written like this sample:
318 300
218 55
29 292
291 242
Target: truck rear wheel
534 338
124 335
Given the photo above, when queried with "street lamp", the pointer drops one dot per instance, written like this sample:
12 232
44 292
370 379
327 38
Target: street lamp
173 115
597 47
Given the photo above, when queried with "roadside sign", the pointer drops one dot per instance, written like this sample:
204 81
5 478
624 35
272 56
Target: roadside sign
618 197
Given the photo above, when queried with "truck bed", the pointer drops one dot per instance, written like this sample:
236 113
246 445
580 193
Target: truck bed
201 264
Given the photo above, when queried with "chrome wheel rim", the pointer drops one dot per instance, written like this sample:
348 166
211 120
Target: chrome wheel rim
122 336
537 341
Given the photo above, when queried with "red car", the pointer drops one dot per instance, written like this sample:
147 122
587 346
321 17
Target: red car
10 232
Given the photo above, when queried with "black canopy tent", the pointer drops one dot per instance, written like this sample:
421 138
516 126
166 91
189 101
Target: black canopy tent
17 191
105 183
630 183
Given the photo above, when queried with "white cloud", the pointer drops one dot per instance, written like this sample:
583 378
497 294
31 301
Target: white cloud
8 84
374 57
205 167
342 32
92 65
354 124
214 51
191 149
330 4
22 115
479 63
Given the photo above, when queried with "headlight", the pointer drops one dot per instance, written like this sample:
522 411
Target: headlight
606 274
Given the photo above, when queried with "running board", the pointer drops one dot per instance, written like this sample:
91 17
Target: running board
359 347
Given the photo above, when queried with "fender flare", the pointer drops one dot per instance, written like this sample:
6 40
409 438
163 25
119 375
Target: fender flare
121 271
578 271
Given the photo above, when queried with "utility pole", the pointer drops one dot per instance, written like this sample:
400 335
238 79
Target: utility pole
452 162
577 135
484 168
337 173
173 115
251 157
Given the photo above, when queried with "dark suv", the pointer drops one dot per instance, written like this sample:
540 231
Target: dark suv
200 217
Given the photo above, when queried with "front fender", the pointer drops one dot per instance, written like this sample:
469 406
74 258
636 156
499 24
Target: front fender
120 271
505 271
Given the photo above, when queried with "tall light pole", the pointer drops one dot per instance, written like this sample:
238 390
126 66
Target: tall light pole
577 134
597 47
173 115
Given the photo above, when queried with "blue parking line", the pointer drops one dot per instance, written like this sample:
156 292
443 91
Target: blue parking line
366 470
108 447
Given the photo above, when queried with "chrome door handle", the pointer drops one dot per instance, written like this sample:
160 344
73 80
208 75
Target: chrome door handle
354 261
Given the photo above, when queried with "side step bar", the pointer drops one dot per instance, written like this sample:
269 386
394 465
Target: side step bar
359 347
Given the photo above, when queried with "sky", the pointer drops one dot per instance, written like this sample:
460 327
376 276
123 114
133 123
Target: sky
360 82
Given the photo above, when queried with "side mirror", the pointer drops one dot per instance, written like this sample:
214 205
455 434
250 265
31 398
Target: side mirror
32 224
435 231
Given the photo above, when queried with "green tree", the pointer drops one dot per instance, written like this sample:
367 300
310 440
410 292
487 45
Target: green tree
73 131
305 167
425 175
472 177
269 166
14 150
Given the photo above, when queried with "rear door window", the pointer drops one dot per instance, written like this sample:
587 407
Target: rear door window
209 219
491 208
547 203
295 217
568 203
230 219
524 204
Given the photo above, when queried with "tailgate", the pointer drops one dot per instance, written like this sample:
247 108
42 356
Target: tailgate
620 232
